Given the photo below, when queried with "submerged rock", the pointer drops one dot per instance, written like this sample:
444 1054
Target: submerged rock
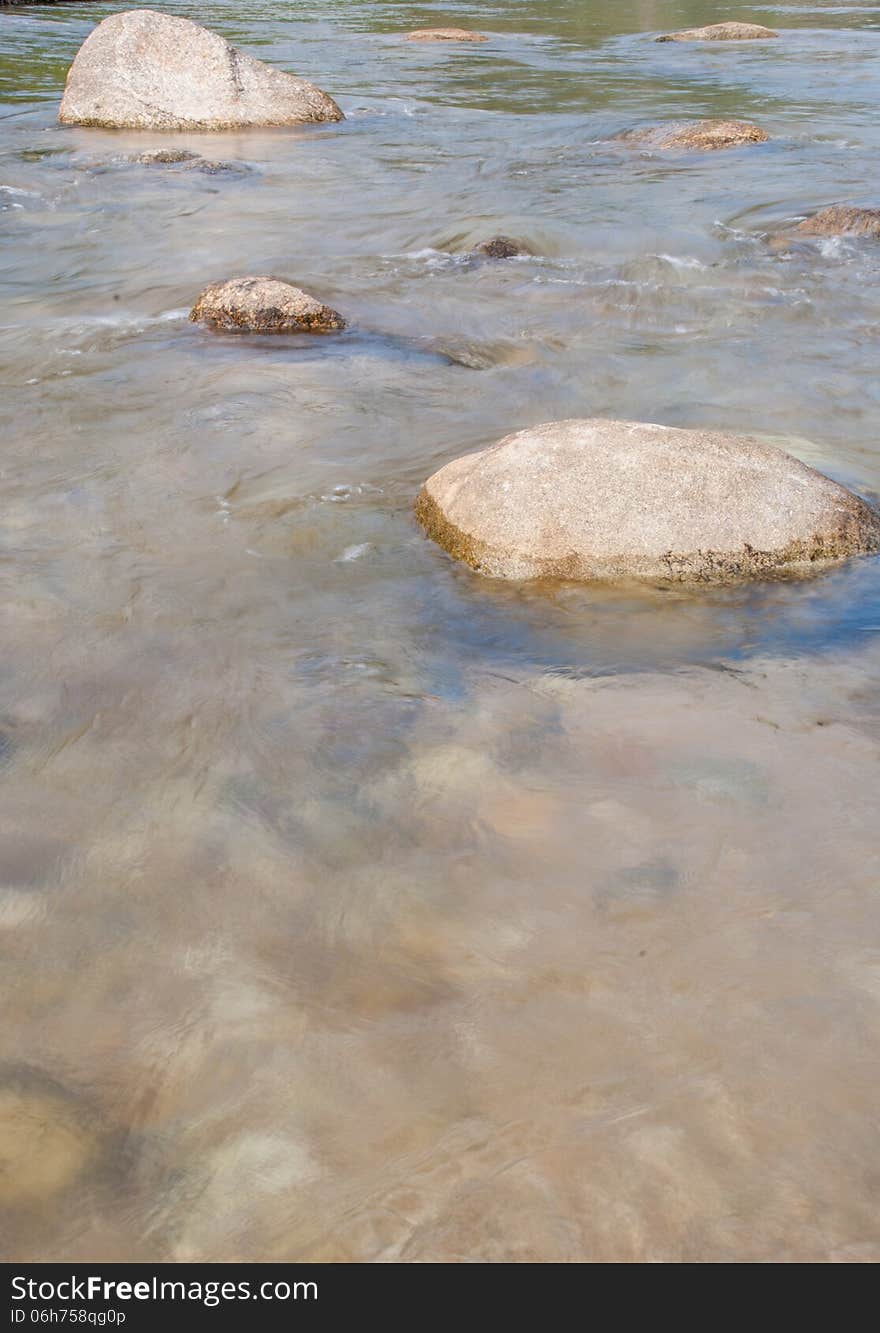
263 305
165 156
842 220
190 162
502 247
719 32
46 1140
607 500
211 168
146 70
445 35
697 134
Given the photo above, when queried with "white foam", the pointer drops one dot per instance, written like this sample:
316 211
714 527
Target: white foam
682 261
354 552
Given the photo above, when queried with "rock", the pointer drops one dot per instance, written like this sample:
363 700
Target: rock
179 157
841 220
720 32
614 499
697 134
445 35
502 247
163 156
263 305
146 70
211 168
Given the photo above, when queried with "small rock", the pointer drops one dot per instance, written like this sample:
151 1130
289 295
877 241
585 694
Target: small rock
180 157
445 35
210 168
720 32
146 70
502 247
263 305
164 156
608 500
842 220
697 134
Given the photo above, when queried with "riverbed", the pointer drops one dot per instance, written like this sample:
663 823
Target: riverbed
354 906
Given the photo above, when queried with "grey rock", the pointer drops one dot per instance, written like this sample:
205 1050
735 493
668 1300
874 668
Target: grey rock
146 70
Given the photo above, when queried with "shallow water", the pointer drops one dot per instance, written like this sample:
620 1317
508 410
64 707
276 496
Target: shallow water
353 906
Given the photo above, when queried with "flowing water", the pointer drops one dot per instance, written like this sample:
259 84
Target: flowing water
354 907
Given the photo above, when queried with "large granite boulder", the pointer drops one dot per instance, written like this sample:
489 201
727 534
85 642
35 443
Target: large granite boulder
612 500
700 135
145 70
263 305
842 220
719 32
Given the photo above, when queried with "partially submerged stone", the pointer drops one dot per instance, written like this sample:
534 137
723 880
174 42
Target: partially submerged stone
703 135
263 305
146 70
165 157
720 32
445 35
842 220
502 247
608 500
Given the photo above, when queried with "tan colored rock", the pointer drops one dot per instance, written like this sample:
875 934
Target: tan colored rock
697 134
445 35
502 247
146 70
263 305
841 220
608 500
720 32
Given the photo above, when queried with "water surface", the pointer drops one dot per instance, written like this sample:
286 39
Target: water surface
353 906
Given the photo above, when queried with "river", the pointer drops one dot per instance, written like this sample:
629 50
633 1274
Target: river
352 906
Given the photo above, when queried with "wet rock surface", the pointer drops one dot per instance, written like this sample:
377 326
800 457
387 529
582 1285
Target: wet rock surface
263 305
613 500
720 32
703 135
445 35
842 220
166 157
187 161
146 70
502 247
